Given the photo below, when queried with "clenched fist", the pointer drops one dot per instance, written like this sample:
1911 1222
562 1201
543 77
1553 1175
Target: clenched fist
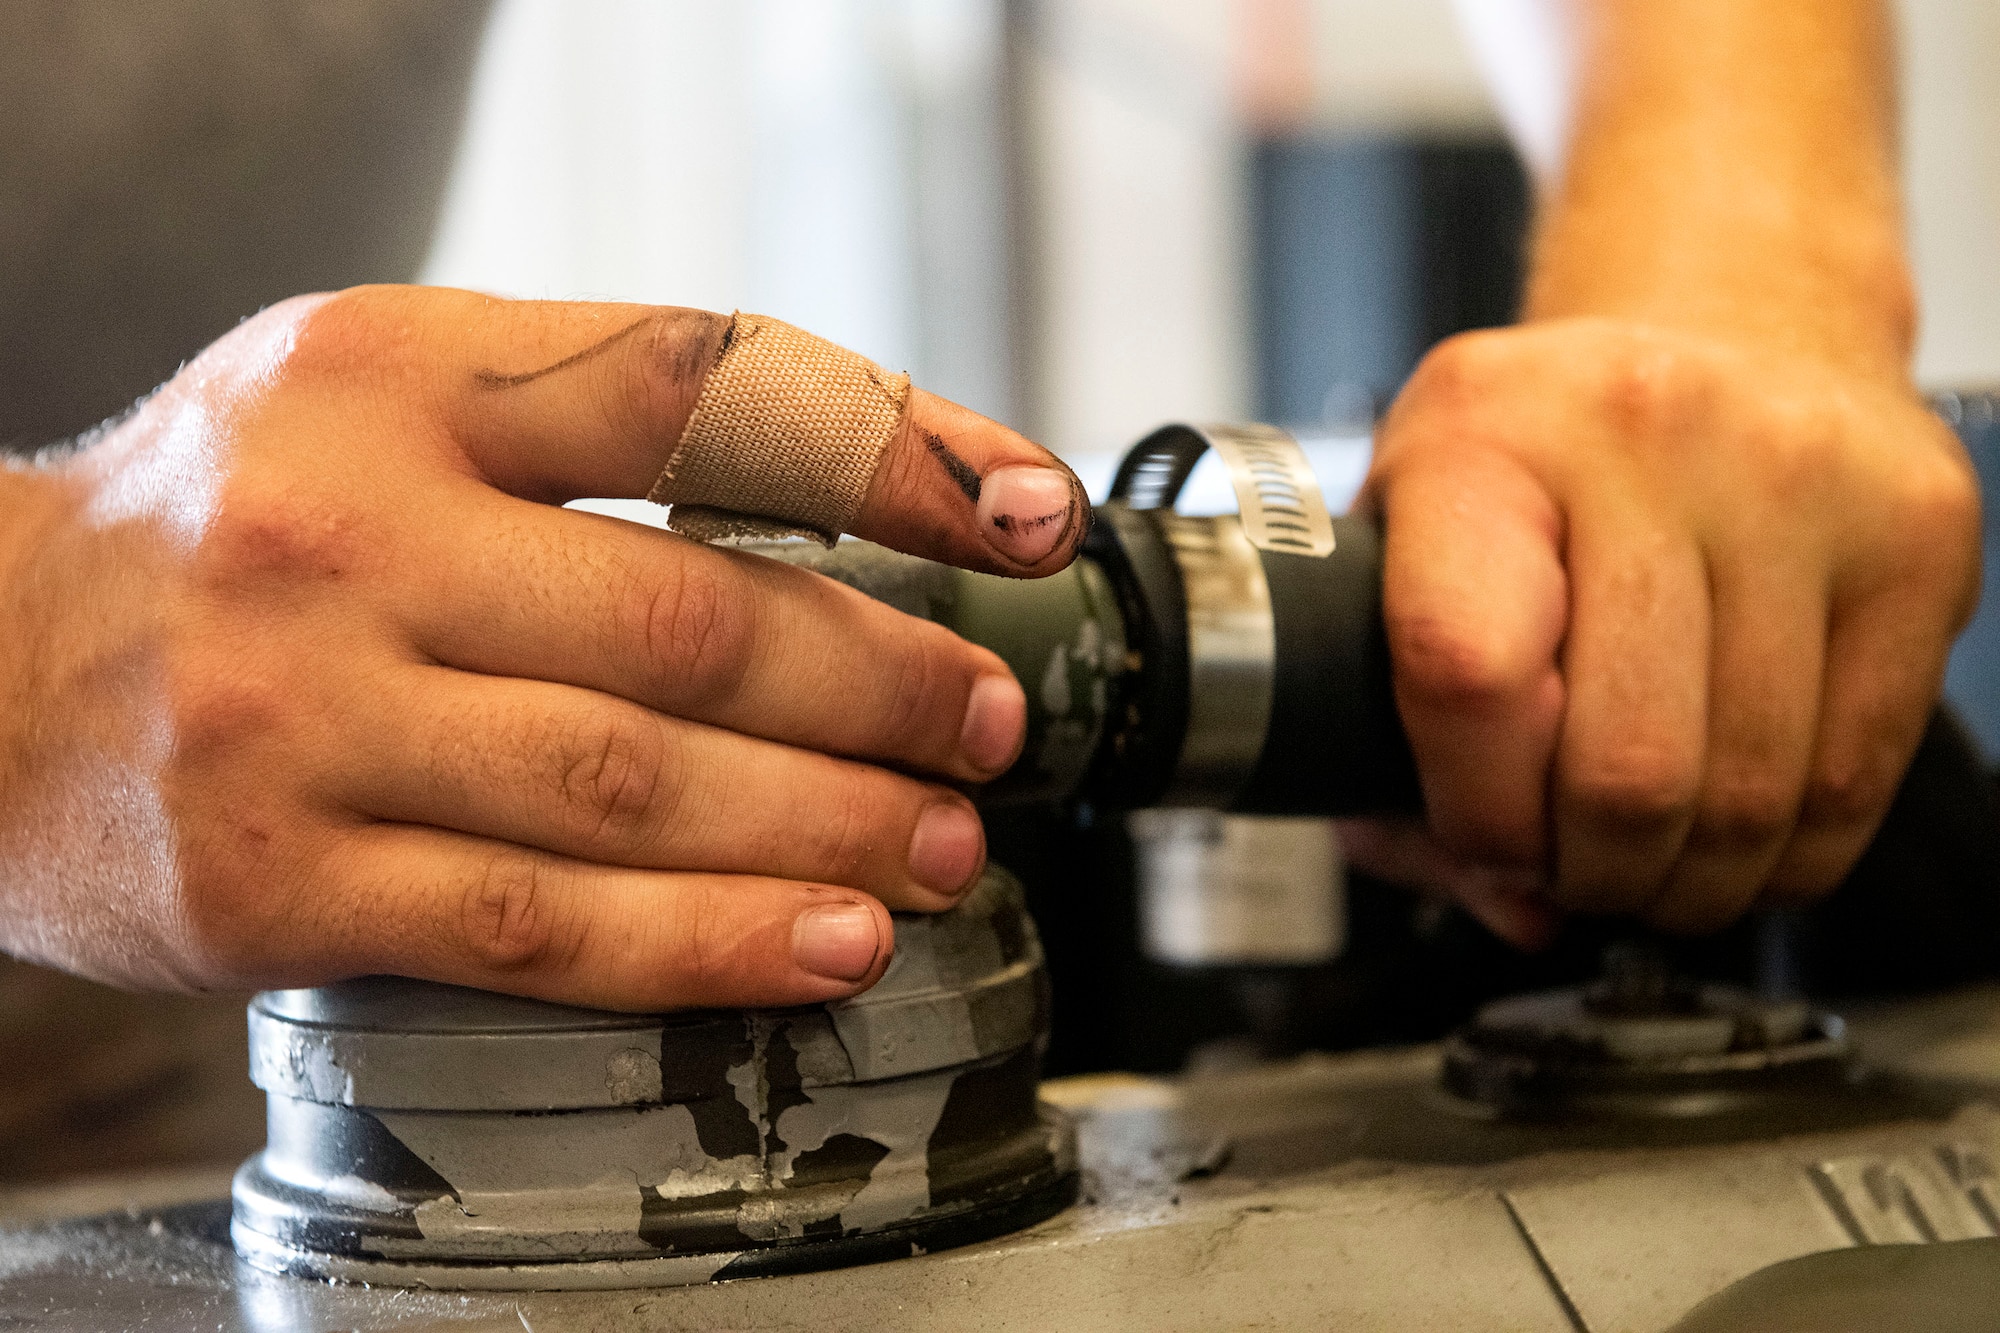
1674 565
1668 614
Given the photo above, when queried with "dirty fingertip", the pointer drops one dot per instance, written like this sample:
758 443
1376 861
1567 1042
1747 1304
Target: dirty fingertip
1026 512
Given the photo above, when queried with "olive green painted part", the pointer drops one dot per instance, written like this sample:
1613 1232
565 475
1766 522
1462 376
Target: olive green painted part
1065 641
1953 1287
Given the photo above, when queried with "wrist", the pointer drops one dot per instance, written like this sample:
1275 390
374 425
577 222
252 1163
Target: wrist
32 501
1732 174
1843 295
35 503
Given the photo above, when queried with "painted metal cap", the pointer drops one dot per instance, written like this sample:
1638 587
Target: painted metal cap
423 1134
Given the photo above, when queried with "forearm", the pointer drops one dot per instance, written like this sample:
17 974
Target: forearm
1731 171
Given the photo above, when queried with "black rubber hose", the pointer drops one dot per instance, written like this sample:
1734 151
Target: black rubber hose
1335 744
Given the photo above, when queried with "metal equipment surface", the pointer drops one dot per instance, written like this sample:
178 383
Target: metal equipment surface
1326 1192
1642 1041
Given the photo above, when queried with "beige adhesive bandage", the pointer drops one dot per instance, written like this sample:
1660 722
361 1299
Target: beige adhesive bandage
783 440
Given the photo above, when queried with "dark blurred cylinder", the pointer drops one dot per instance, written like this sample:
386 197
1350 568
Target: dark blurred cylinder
1174 664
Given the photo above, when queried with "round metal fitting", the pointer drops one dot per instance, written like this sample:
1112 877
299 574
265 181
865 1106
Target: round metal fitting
1641 1042
1231 633
430 1135
1232 652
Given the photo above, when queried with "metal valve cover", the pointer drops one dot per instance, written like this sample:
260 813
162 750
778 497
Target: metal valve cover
434 1135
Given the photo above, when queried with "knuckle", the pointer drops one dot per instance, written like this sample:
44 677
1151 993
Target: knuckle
217 713
1792 448
509 916
264 535
905 474
1634 786
664 369
1645 391
1456 373
360 329
1847 794
913 698
615 773
698 628
1446 664
1748 811
1941 503
704 952
845 835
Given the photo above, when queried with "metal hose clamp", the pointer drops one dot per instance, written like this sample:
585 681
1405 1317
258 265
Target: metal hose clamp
1231 637
1277 496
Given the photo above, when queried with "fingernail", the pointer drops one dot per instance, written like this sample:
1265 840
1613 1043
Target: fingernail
838 941
1025 511
996 721
946 848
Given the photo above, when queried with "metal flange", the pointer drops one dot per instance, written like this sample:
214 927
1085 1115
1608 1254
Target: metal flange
431 1135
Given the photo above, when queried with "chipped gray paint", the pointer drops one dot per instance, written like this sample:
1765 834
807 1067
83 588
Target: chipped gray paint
632 1076
565 1185
513 1133
935 1007
528 1071
355 1192
948 997
900 1117
823 1058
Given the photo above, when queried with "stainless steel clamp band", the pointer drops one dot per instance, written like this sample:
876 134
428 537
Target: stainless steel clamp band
1277 496
1232 641
1232 651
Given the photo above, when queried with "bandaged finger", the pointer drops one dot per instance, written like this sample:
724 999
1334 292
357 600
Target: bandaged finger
783 440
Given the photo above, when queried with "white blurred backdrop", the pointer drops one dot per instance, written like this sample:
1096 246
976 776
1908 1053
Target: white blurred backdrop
1072 257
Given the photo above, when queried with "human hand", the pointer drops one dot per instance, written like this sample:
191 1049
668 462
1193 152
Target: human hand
1668 612
306 676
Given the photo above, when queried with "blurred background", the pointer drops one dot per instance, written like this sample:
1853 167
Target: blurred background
1083 217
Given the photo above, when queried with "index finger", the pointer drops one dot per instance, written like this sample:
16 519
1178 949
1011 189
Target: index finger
556 401
1475 601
